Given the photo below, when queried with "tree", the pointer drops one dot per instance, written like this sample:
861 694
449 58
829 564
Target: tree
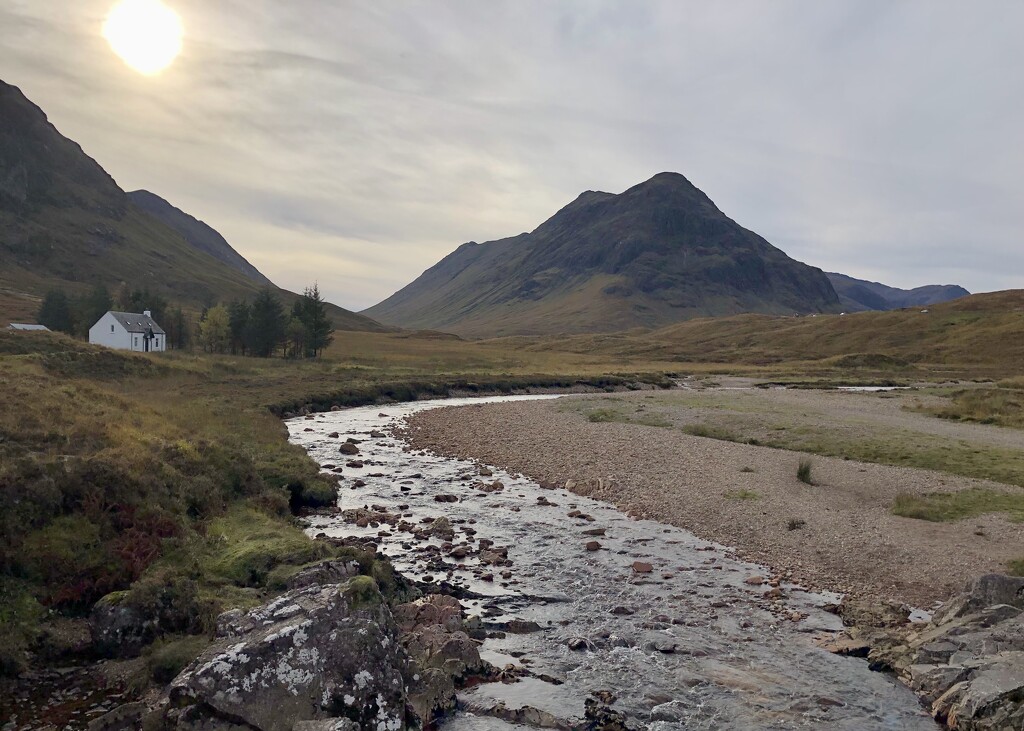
92 307
239 314
313 314
296 338
176 326
267 324
140 300
215 330
55 312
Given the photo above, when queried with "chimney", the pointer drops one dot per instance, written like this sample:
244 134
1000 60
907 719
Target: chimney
147 313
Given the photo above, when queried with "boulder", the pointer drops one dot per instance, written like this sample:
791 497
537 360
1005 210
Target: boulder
317 654
118 629
325 572
348 448
985 591
441 653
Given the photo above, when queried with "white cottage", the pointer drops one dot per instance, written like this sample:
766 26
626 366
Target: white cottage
129 331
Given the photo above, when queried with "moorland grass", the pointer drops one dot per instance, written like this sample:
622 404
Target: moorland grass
952 506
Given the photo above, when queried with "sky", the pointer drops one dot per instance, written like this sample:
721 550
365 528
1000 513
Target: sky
355 143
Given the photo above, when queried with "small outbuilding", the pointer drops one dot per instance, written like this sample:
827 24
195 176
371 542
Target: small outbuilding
129 331
22 327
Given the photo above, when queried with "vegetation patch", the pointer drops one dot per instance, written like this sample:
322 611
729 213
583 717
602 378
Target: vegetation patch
803 471
1002 405
951 506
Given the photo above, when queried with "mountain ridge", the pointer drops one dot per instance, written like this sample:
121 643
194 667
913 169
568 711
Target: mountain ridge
657 253
858 295
64 222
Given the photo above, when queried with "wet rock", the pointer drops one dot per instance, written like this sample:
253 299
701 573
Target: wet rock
485 472
446 498
523 716
593 546
441 652
312 654
754 580
348 448
358 483
333 435
642 567
595 531
377 435
967 664
126 717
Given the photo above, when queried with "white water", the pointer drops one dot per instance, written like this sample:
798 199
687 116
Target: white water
736 665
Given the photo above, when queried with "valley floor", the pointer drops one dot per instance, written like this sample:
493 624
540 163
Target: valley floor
847 531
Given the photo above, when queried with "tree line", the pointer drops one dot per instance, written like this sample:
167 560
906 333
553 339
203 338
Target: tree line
260 327
263 327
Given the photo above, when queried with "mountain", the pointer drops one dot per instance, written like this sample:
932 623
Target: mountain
658 253
196 232
65 223
858 295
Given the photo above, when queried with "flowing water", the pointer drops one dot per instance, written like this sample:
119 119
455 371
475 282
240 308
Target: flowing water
692 644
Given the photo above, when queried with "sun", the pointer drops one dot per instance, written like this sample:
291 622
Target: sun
146 34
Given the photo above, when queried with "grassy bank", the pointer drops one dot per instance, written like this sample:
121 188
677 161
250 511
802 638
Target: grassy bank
166 483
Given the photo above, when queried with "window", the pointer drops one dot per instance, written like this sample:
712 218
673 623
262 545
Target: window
111 328
136 342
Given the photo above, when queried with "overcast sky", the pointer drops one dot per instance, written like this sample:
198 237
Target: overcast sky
356 143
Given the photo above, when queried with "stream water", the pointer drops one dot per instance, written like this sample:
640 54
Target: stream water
692 644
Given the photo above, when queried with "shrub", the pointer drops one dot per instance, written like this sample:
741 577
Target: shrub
803 471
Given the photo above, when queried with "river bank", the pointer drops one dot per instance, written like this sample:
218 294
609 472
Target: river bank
837 534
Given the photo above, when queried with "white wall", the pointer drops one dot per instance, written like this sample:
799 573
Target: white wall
111 333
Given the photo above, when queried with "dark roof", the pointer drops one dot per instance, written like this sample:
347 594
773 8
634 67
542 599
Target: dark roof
136 323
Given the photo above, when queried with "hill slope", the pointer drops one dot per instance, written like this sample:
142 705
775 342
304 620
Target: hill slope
981 331
658 253
64 222
196 232
858 295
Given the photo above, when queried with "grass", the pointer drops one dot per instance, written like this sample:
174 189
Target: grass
803 471
952 506
709 431
1016 567
1002 405
743 495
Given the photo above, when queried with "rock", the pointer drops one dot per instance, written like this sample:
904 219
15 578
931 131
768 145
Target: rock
642 567
127 717
595 531
754 580
377 435
348 448
985 591
312 654
333 435
325 572
446 498
119 630
485 472
327 724
433 634
593 546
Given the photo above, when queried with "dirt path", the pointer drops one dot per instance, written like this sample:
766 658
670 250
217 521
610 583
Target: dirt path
837 534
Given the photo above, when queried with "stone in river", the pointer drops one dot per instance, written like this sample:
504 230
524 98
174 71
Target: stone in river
754 580
642 567
349 448
593 546
446 498
595 531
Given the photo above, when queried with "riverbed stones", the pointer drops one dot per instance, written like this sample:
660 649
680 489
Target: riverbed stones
593 546
312 654
642 567
348 448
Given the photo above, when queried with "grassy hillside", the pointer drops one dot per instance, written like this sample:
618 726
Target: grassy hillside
981 334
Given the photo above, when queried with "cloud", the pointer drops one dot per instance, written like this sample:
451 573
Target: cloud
357 143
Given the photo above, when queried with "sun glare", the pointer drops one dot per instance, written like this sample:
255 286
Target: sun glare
146 34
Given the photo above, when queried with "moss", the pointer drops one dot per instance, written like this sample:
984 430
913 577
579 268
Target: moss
245 545
1016 567
169 656
362 593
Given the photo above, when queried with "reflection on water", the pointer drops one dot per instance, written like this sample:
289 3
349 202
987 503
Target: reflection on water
695 643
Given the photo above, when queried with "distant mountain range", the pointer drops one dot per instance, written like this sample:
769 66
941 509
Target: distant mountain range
64 222
858 295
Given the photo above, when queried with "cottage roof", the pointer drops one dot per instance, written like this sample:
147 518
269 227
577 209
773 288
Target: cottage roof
136 323
22 326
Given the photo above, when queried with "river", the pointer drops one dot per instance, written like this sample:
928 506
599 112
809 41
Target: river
694 643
